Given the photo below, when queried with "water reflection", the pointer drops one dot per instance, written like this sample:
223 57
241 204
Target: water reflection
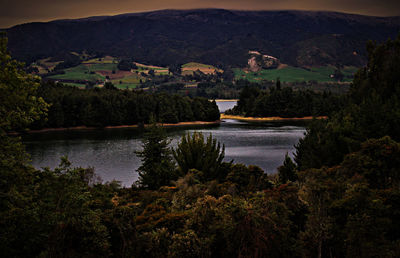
112 152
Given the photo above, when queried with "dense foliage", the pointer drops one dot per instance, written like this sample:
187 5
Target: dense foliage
204 156
19 104
354 204
71 106
372 112
285 102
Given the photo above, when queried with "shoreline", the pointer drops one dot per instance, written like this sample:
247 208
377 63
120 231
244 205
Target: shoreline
88 128
225 100
270 119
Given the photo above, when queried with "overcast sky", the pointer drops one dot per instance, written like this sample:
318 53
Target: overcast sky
14 12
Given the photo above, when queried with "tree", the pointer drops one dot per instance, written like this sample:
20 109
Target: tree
175 69
158 168
316 192
228 74
278 83
126 65
373 111
287 172
109 86
193 152
19 105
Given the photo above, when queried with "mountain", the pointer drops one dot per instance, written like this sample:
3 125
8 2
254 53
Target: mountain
213 36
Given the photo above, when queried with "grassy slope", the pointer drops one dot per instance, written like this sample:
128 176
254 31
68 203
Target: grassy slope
293 74
197 65
80 72
103 60
189 68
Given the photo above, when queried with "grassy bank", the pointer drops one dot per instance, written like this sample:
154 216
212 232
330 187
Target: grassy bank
270 119
81 128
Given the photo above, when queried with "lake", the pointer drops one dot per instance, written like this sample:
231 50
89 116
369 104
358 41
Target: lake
112 151
225 105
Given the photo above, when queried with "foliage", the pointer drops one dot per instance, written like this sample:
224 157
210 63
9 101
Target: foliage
70 60
285 102
287 172
206 156
353 203
373 111
19 104
352 206
102 107
158 168
126 65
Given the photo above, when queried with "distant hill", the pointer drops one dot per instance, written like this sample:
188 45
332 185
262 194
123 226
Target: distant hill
212 36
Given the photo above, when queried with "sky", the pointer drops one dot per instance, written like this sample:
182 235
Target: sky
14 12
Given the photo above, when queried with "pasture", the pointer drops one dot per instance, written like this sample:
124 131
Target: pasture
295 74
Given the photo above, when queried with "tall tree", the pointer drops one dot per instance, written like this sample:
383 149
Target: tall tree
158 168
287 172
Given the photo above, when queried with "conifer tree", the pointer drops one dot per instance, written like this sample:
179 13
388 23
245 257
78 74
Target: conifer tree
158 168
194 152
287 172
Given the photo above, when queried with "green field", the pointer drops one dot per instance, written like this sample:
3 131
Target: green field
125 85
294 74
80 72
102 67
74 84
131 81
103 60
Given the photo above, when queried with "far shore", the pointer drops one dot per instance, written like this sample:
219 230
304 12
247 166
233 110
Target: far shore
271 119
84 128
225 100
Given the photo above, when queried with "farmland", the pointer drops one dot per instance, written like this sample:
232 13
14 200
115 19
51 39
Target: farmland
190 68
295 74
97 71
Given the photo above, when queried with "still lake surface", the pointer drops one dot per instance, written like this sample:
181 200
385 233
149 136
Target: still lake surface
112 151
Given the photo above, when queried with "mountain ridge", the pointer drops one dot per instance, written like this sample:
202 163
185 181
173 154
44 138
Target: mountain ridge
215 36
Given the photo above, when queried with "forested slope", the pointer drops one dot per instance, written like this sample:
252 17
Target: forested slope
210 36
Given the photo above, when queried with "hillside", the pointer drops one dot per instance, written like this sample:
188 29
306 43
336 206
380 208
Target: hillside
211 36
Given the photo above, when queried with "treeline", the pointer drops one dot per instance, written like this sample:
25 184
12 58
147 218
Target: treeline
286 102
225 89
71 106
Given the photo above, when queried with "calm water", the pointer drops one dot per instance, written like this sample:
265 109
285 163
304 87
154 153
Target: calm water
225 105
112 152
